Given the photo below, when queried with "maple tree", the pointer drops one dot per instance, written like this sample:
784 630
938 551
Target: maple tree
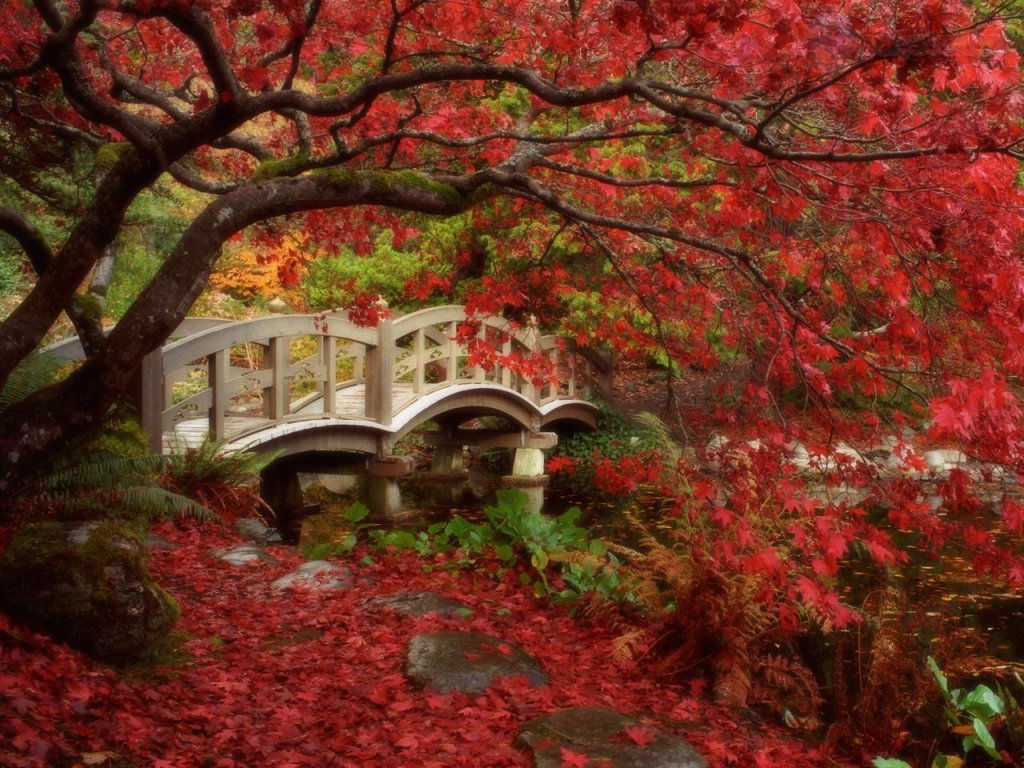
826 194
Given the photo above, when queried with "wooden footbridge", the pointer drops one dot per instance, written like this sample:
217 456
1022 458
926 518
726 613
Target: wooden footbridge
300 384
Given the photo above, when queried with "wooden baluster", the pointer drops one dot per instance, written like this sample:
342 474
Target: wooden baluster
419 372
572 376
328 359
153 399
275 397
217 366
358 362
452 373
479 373
506 350
531 339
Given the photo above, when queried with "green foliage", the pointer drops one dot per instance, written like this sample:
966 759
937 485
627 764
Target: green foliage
152 223
517 535
355 515
31 374
334 281
977 708
616 437
222 482
208 463
11 277
969 714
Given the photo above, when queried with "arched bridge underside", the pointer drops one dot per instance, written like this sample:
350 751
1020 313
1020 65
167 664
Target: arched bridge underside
310 429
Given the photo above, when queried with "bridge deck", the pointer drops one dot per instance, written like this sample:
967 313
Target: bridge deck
350 404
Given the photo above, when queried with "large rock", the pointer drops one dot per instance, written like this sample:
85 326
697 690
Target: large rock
605 737
86 584
316 574
467 661
422 603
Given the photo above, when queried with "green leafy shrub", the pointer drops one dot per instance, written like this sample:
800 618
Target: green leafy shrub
576 459
335 281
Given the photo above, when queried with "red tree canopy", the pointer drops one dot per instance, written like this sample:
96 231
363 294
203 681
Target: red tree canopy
825 191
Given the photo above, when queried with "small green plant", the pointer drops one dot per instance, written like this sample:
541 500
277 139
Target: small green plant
516 533
969 714
355 514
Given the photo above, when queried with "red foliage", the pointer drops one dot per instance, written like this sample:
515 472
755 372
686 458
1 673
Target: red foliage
308 678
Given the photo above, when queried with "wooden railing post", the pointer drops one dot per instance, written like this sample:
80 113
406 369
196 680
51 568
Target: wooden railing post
531 340
217 375
478 370
151 399
275 397
453 353
328 355
418 347
380 371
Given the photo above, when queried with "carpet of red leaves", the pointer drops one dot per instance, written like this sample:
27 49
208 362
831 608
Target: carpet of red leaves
315 678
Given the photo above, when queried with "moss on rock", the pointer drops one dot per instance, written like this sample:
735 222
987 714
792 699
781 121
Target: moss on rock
87 584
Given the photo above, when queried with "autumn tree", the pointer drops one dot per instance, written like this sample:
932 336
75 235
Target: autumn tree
826 191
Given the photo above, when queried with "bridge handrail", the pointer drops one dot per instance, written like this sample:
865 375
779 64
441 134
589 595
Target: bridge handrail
383 355
259 330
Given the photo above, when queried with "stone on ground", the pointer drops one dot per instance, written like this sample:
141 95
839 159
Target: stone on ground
316 574
422 603
467 661
244 554
601 735
87 585
256 530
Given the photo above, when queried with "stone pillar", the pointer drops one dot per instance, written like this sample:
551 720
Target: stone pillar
528 476
448 475
382 497
380 491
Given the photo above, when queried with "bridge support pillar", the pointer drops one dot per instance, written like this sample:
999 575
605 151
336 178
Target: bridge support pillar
448 475
528 476
381 493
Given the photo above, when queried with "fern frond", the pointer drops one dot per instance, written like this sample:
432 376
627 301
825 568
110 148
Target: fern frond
32 374
629 646
104 474
658 437
166 503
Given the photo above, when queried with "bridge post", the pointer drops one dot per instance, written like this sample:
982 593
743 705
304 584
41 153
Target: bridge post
528 476
380 371
329 385
217 367
275 397
381 492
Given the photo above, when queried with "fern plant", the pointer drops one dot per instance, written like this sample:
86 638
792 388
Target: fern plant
112 474
226 483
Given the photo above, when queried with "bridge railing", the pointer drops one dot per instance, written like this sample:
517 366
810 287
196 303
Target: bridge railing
271 367
249 368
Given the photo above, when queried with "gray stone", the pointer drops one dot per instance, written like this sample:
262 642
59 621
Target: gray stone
87 585
600 734
256 530
244 554
159 542
422 603
316 574
467 661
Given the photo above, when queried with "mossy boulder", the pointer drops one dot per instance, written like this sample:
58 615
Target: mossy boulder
86 584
